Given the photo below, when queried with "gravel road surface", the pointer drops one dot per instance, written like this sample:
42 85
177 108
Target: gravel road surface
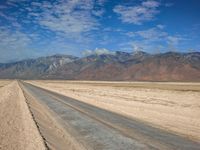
99 129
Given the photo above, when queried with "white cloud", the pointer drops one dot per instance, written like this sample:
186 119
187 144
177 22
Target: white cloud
158 34
97 51
130 34
146 11
13 45
70 17
137 47
101 2
174 40
12 40
64 17
154 39
152 34
67 22
160 26
150 4
98 13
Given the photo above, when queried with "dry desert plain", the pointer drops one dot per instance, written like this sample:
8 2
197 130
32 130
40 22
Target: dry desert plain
174 107
4 82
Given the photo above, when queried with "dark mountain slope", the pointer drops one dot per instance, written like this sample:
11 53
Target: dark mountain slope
166 67
34 68
140 66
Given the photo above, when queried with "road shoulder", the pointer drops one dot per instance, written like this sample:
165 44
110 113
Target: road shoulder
55 136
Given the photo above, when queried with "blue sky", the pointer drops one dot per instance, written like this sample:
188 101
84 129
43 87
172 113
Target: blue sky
33 28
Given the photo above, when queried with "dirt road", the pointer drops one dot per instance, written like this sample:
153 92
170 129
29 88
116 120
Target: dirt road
174 107
96 128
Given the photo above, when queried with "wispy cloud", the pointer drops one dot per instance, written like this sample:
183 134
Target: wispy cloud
13 39
97 51
63 17
158 33
154 38
174 40
139 14
71 18
152 34
137 47
61 26
13 44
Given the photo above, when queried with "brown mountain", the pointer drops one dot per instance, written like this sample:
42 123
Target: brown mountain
139 66
34 68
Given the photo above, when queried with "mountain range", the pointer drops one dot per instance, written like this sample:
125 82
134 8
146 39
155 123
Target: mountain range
119 66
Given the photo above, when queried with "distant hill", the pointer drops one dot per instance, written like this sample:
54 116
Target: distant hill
139 66
34 68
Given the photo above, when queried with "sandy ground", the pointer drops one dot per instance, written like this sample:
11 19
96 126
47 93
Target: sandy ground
17 128
4 82
171 106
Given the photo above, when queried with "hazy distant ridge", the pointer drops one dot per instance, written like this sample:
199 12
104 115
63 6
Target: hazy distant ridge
141 66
